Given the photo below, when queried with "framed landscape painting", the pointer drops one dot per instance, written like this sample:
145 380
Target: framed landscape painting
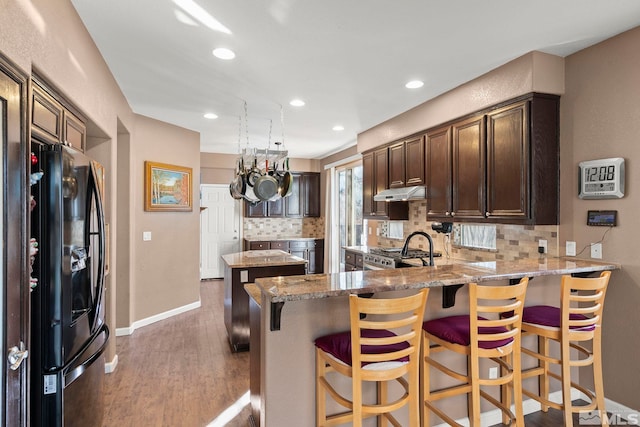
167 187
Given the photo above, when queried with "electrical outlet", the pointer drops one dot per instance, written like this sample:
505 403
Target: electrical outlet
146 236
543 244
493 373
596 250
570 248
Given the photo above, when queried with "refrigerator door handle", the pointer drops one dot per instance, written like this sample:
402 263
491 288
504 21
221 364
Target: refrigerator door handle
72 375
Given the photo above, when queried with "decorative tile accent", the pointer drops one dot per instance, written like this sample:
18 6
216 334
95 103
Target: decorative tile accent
277 228
514 242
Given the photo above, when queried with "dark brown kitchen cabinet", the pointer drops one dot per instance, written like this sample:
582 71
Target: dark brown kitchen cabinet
522 161
415 161
438 174
271 209
311 194
468 169
353 261
52 122
375 178
499 166
397 166
303 202
309 249
456 171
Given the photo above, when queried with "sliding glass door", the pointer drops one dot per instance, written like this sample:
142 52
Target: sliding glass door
350 225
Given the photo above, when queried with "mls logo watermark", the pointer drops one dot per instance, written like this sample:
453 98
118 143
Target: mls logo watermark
592 418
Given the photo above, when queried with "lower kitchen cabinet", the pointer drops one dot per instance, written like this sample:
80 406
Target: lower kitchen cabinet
311 250
353 261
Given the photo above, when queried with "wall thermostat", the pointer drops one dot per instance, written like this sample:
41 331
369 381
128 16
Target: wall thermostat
601 179
602 218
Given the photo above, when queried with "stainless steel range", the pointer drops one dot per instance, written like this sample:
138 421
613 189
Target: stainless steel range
380 258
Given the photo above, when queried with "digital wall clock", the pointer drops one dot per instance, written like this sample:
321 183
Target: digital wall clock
601 179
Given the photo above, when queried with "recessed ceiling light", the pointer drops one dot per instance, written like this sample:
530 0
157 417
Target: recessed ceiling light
338 128
210 116
414 84
297 102
223 53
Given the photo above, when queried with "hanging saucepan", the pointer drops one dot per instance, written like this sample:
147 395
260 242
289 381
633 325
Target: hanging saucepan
286 184
254 173
237 187
265 187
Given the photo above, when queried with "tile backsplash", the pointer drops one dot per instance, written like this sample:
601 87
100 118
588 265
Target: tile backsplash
512 241
275 228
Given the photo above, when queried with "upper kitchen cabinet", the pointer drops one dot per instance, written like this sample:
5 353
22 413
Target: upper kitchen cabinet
456 171
523 161
375 178
502 166
52 122
303 202
406 163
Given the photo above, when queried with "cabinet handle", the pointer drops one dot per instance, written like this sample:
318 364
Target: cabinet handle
488 214
453 214
447 213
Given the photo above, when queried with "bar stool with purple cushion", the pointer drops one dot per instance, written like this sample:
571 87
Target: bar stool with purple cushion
491 332
381 349
578 319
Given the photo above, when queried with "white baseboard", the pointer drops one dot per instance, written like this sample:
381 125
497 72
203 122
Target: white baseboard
529 406
109 367
156 318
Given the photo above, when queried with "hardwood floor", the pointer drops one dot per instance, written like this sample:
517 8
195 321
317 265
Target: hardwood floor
180 372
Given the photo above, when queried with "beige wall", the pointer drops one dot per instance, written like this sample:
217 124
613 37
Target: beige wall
533 72
49 38
600 118
167 268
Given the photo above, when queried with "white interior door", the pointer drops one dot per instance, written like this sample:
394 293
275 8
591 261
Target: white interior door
220 228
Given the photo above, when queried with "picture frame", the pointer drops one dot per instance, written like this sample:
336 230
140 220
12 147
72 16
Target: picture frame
167 188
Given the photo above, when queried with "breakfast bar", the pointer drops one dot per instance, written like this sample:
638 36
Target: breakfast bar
297 309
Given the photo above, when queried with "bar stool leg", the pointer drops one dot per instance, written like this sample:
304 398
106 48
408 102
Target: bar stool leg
516 357
565 353
382 399
474 414
505 390
543 380
425 396
598 379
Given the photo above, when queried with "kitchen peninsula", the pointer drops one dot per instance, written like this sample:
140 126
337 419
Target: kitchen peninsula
245 267
296 310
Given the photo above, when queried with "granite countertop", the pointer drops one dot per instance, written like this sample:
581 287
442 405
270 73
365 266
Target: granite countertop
292 288
275 239
248 259
254 292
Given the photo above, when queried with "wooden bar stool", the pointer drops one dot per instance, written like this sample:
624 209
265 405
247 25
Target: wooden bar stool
578 319
490 332
380 349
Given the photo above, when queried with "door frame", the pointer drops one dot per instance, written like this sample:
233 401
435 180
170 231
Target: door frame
14 280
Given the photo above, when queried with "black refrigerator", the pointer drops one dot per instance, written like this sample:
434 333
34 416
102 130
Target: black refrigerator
68 329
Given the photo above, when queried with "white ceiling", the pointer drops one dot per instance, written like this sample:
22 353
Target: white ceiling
347 59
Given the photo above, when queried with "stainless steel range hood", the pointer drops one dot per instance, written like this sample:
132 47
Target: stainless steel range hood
401 194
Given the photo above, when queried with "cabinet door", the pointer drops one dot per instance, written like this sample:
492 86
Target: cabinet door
75 132
468 168
397 164
368 185
415 159
293 202
311 192
316 257
508 162
438 173
46 116
275 208
259 246
381 162
259 210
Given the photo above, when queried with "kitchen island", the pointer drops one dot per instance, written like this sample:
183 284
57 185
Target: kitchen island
296 310
245 267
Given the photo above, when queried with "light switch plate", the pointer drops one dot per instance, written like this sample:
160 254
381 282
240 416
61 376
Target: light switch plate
146 236
596 250
244 276
570 248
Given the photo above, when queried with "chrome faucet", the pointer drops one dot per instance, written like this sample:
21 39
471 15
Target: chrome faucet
405 248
